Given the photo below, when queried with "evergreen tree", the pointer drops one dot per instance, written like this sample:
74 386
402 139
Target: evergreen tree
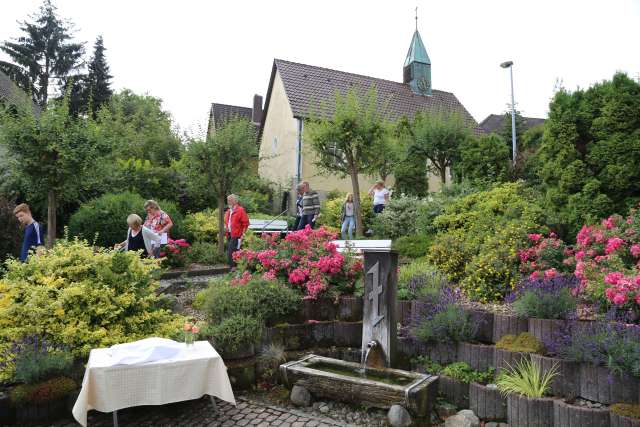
44 55
99 85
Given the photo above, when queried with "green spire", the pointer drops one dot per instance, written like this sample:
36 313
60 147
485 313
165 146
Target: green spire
417 51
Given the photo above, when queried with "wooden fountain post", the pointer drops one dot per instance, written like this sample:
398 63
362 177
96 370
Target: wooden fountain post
379 314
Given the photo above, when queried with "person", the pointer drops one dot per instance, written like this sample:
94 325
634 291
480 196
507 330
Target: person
348 217
310 207
32 233
140 237
299 194
380 196
159 222
236 223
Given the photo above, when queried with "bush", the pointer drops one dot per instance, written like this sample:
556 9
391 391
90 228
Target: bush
546 299
35 360
255 201
479 237
626 410
204 253
235 331
268 301
202 226
416 246
398 219
11 233
175 253
44 392
418 279
526 379
441 320
105 218
82 299
545 257
463 372
332 208
523 343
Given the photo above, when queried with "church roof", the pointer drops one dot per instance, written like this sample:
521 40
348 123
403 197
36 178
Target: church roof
307 86
417 51
496 122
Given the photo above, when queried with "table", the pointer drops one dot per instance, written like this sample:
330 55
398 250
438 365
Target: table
193 373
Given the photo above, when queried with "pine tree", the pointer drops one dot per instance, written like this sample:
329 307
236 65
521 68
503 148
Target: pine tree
99 85
44 56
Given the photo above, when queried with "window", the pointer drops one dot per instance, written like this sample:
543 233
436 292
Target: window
274 145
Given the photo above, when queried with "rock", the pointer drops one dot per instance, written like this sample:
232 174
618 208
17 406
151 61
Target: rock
445 409
170 302
465 418
398 416
300 396
324 409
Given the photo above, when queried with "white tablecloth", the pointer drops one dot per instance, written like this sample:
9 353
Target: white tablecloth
190 375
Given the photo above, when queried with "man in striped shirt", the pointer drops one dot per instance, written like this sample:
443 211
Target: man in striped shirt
310 207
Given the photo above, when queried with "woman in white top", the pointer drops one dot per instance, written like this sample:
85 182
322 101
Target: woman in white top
348 217
380 196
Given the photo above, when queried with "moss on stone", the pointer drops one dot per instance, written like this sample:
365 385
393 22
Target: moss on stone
626 410
523 343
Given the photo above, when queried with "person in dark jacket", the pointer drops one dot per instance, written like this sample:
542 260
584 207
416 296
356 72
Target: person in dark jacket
236 223
32 233
310 207
299 194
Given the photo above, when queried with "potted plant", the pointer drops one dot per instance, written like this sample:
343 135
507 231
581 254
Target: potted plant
624 415
525 386
568 414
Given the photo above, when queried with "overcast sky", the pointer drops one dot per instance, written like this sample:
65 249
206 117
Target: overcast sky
193 53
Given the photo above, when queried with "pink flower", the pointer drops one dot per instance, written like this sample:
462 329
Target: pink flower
195 329
534 275
635 250
534 237
580 255
613 244
619 299
613 278
584 235
550 273
609 223
312 321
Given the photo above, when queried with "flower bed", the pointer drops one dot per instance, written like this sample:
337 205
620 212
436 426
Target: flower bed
568 415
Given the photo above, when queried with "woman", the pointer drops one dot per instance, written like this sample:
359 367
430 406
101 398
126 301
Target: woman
348 217
380 196
140 238
157 220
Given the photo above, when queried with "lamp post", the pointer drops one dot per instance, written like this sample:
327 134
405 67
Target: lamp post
509 65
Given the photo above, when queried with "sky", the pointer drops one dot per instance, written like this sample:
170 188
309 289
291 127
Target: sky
192 53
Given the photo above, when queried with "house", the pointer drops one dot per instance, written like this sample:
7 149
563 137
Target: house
10 94
494 123
297 89
220 113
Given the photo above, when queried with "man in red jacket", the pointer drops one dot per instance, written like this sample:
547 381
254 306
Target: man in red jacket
236 223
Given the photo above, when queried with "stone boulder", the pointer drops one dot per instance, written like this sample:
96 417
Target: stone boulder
398 416
300 396
465 418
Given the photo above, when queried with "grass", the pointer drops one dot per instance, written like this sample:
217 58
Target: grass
526 379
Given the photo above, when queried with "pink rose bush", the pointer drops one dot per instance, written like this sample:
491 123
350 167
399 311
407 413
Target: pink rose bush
175 253
545 257
306 260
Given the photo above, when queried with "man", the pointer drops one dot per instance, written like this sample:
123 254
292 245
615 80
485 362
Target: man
236 223
299 194
32 235
310 207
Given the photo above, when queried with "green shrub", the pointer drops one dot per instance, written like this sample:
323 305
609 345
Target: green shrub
543 305
331 209
202 226
451 324
268 301
44 392
204 253
255 201
82 299
11 233
626 410
416 246
234 331
418 279
398 219
427 364
461 371
36 361
105 218
479 237
526 379
523 343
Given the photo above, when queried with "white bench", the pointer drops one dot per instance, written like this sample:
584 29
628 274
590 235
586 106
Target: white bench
268 225
361 245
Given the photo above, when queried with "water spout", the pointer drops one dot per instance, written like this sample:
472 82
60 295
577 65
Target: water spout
365 356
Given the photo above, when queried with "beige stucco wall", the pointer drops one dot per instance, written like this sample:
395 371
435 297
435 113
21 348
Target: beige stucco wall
278 161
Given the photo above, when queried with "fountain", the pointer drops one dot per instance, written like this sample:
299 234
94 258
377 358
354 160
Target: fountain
372 382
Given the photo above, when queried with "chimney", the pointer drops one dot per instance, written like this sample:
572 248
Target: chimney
256 111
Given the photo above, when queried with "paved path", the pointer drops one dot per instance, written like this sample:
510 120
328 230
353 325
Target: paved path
198 413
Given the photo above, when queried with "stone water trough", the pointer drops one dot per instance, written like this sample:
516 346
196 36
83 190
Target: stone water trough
345 381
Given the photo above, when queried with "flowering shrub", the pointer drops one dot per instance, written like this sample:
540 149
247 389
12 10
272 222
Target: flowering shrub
546 298
607 262
545 258
175 253
306 260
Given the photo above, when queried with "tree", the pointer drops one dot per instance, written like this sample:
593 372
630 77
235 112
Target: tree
98 79
484 159
350 140
590 152
43 55
219 164
438 137
52 152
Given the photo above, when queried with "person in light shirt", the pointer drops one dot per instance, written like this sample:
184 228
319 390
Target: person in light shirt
348 217
380 196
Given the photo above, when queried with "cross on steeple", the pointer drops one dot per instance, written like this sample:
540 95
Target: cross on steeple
416 18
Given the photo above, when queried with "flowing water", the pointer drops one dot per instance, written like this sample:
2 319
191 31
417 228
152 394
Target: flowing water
373 375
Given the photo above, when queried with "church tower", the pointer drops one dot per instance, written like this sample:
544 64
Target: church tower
417 66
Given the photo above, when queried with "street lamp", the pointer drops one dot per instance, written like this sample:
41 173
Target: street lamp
509 65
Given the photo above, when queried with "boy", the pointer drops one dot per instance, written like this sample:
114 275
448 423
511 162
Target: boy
32 235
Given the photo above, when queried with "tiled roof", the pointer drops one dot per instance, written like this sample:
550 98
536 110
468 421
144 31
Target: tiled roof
496 122
10 92
307 86
222 112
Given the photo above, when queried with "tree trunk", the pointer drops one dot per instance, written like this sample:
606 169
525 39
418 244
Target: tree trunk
355 185
443 176
51 219
221 224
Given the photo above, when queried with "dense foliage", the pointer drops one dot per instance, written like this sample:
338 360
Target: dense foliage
440 319
11 233
331 210
527 379
419 279
484 159
550 298
523 343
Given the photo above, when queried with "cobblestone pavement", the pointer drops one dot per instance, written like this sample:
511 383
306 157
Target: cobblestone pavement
199 413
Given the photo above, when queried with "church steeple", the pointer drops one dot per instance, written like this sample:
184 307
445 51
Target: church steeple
417 66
